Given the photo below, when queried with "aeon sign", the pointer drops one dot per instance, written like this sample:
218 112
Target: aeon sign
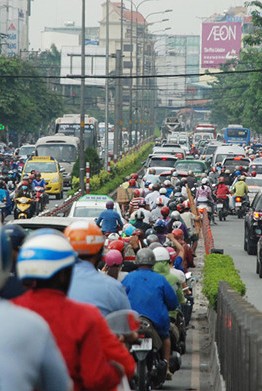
220 42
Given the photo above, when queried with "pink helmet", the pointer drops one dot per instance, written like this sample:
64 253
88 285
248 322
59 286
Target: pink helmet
113 258
172 253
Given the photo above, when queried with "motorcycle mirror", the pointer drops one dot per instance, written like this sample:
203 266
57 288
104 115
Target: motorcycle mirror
123 322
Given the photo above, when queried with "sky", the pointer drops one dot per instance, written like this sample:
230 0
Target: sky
184 19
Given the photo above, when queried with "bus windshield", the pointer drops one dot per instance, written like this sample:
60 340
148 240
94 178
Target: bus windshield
61 152
240 133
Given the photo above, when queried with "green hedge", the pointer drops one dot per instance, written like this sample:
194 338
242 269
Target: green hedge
105 182
220 268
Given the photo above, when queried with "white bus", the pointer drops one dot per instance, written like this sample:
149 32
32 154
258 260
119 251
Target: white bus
63 148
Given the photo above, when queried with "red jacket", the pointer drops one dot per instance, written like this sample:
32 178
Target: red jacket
222 191
83 337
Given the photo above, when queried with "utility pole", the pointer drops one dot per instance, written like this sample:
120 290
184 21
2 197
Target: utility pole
118 105
107 86
131 81
82 106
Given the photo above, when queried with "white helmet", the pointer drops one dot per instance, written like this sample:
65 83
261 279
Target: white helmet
162 190
175 215
113 236
167 182
44 253
161 254
159 201
204 181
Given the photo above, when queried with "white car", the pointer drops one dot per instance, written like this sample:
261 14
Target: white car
90 206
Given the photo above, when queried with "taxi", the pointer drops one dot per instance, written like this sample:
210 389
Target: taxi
50 172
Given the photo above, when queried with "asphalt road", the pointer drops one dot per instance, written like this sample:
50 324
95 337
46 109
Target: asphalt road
229 235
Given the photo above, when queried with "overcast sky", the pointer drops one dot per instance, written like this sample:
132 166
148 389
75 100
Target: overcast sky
185 18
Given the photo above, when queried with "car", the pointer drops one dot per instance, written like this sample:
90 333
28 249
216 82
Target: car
209 149
174 151
232 162
55 222
256 166
90 206
50 172
26 150
164 160
225 151
198 167
253 225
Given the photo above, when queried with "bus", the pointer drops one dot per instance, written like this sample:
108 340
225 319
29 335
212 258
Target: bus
206 128
64 149
237 134
69 124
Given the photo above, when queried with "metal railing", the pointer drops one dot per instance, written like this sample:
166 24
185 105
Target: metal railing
239 341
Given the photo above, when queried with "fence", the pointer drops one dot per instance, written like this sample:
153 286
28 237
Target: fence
239 341
207 233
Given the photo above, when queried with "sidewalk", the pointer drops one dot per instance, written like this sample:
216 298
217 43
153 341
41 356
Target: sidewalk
195 372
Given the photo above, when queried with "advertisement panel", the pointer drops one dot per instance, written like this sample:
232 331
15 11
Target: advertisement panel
221 41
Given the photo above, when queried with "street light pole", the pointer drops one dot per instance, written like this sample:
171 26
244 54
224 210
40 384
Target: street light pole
82 106
107 86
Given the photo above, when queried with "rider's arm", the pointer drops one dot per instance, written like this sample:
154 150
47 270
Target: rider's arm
177 245
170 298
119 221
99 219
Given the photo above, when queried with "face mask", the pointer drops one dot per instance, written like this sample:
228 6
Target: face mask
24 187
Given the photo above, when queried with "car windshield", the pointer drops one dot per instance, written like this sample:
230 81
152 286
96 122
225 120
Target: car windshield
42 167
84 211
256 167
210 150
26 150
162 162
235 163
193 166
60 152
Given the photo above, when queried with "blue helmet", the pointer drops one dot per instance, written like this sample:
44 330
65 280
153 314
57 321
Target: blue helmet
238 173
43 254
16 234
5 256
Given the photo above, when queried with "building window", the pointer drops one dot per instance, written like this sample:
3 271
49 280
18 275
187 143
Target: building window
128 64
170 102
128 48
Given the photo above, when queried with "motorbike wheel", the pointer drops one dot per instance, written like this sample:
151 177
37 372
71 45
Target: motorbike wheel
220 215
141 376
239 213
37 208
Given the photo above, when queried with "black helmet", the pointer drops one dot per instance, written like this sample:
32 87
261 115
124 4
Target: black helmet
145 256
16 234
110 205
150 231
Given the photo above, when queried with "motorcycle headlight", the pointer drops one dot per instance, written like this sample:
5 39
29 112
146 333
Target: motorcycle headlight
55 179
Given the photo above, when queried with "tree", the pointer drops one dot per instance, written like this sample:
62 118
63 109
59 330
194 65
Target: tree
255 38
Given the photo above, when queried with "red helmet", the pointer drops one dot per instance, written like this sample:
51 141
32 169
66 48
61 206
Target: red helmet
186 204
113 258
178 233
25 183
136 193
165 211
180 208
134 176
172 253
116 245
253 173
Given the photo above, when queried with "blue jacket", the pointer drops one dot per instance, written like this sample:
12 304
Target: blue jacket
151 295
110 220
91 286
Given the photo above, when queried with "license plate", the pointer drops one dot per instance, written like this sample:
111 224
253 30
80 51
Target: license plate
238 203
220 206
146 344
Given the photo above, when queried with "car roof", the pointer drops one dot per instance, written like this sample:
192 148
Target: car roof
54 222
165 155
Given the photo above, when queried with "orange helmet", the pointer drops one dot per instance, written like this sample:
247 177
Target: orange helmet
178 233
85 237
116 245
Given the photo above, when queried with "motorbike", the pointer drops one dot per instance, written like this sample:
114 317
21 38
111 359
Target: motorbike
221 209
205 205
22 208
241 206
39 199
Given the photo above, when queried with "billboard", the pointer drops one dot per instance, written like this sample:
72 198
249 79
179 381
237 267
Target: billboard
221 41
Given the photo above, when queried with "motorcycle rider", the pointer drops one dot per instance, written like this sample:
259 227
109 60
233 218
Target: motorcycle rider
38 181
109 220
88 285
240 189
134 203
153 297
45 264
29 358
204 194
222 191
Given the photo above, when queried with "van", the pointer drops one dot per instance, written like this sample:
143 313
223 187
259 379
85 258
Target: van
227 151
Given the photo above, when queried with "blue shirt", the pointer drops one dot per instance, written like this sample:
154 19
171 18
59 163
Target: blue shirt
29 357
151 295
88 285
2 194
110 219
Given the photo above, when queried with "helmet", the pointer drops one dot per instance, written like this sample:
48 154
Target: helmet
242 178
151 239
159 201
145 256
186 204
113 236
142 203
167 182
136 193
180 208
161 254
110 205
85 237
165 211
44 254
5 256
162 190
237 172
204 181
253 173
147 183
24 183
154 245
175 174
159 224
128 229
134 176
139 215
221 179
175 215
116 245
132 182
176 224
16 234
227 171
172 253
190 172
150 231
150 186
113 258
172 205
37 174
178 233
